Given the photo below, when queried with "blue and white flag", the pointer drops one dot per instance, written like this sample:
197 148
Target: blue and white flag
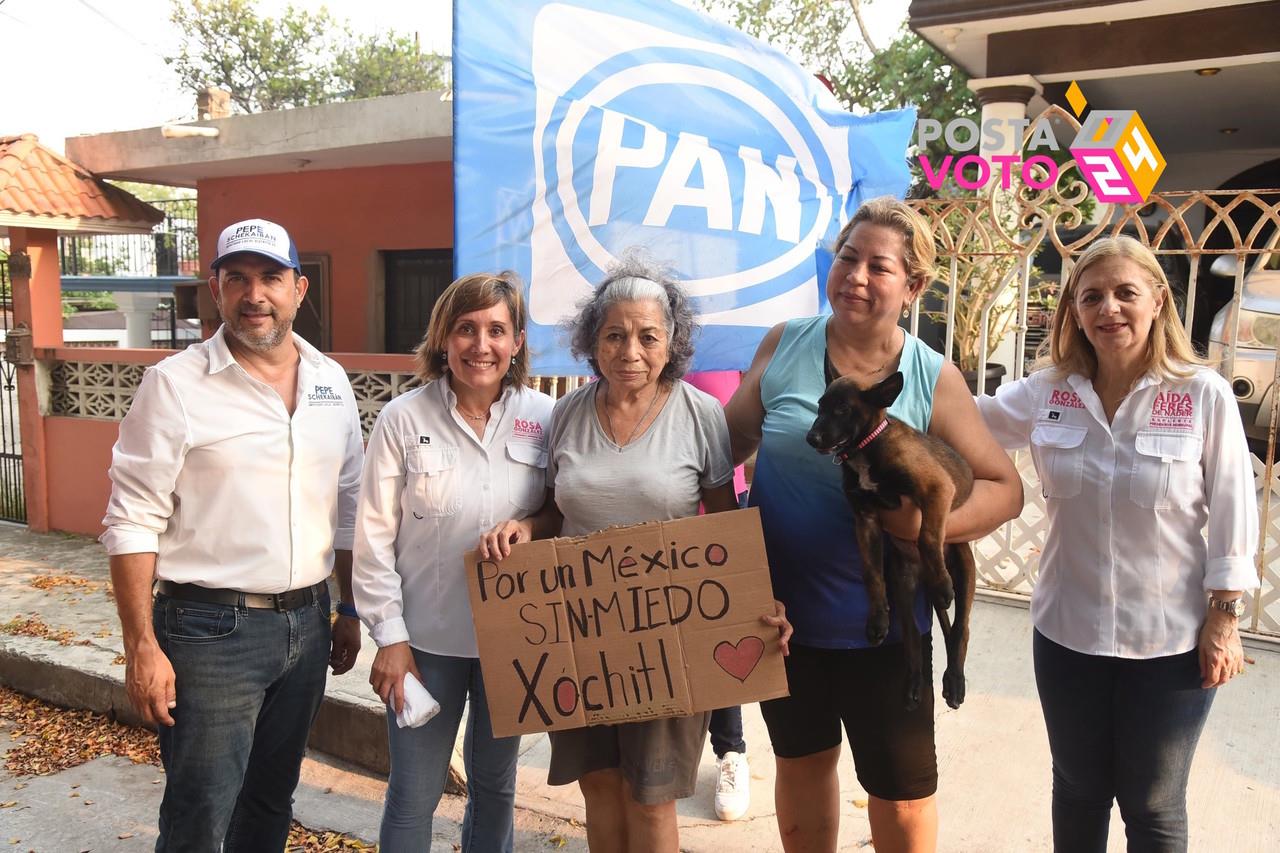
584 128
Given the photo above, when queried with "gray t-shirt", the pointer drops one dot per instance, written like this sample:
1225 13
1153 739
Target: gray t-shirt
657 477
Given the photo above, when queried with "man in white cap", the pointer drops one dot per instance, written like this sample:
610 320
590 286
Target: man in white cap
233 497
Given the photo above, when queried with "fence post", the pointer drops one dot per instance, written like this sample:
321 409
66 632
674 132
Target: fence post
37 301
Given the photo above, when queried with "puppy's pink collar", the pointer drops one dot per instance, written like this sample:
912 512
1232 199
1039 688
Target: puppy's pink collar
841 457
872 435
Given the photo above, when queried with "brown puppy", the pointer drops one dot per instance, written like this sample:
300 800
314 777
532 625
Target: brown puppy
882 461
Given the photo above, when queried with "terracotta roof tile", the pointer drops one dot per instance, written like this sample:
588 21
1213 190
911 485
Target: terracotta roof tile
36 180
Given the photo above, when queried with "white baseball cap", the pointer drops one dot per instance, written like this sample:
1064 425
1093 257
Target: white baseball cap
259 237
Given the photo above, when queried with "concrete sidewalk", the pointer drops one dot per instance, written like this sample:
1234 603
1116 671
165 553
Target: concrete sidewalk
993 756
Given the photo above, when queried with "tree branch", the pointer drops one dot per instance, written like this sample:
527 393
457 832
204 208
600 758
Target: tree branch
856 5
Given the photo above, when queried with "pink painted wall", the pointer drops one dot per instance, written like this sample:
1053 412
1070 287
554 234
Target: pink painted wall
348 214
79 449
80 454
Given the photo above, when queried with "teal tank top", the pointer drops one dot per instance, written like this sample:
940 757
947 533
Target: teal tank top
808 527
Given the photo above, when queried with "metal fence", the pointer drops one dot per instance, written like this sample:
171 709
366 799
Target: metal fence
13 505
993 250
169 331
171 249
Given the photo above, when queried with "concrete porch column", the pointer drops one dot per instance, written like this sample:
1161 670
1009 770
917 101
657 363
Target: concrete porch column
1006 99
138 309
37 301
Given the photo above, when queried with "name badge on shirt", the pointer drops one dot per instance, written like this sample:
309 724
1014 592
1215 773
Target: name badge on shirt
323 395
1065 399
527 430
1173 410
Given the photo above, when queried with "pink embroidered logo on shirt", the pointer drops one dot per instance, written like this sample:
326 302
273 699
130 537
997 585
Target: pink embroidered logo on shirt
1173 410
1066 399
531 430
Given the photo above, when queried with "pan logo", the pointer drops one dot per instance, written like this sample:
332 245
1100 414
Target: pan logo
1115 153
630 149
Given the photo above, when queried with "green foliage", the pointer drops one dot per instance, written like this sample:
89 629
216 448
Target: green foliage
155 192
822 34
810 29
86 300
389 64
299 59
982 279
910 72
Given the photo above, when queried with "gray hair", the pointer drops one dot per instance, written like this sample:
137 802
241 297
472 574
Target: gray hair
634 279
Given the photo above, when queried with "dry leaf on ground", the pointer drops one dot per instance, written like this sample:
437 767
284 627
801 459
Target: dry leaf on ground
50 738
303 840
34 626
54 581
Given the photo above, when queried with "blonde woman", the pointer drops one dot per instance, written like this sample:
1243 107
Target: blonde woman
838 680
1139 448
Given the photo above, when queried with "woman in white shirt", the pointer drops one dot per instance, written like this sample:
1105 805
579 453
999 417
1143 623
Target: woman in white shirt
446 462
1139 447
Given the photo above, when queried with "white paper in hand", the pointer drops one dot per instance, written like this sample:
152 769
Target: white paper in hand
419 704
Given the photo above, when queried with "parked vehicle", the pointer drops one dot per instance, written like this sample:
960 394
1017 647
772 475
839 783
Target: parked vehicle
1252 376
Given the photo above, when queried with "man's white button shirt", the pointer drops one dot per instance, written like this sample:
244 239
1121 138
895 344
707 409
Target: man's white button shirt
212 474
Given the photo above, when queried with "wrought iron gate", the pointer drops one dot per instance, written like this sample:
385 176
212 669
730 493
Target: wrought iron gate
13 504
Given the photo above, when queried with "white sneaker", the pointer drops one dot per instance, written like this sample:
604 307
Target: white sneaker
733 786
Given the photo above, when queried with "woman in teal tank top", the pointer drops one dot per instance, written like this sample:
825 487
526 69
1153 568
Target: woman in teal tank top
883 263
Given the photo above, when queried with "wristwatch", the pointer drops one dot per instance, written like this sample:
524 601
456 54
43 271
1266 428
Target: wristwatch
1235 606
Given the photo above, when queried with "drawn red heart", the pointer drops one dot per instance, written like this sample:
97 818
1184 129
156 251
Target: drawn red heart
739 659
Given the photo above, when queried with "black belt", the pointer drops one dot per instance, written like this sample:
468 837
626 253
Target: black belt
291 600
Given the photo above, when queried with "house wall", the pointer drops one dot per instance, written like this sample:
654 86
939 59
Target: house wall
78 462
349 214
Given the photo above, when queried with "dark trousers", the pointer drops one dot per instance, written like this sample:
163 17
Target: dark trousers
249 683
726 731
726 723
1120 729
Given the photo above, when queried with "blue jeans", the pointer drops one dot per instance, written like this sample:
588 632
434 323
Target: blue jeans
249 683
1123 729
726 731
420 765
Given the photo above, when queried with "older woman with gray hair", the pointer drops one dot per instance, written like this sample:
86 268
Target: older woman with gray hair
638 445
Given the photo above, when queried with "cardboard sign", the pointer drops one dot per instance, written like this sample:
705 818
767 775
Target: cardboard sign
655 620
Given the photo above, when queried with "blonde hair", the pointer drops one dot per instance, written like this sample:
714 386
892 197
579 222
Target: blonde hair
888 212
1170 353
473 292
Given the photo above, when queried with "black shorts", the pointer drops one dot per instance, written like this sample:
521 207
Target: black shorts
863 690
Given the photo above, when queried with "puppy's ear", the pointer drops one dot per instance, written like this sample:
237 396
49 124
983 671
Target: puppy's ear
884 393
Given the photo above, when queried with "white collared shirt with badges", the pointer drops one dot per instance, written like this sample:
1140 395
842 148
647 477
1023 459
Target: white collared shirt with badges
430 489
1126 568
212 473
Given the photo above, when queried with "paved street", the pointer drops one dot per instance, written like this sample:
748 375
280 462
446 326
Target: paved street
109 805
994 793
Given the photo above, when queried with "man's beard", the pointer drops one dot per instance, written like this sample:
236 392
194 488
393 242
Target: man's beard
261 342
